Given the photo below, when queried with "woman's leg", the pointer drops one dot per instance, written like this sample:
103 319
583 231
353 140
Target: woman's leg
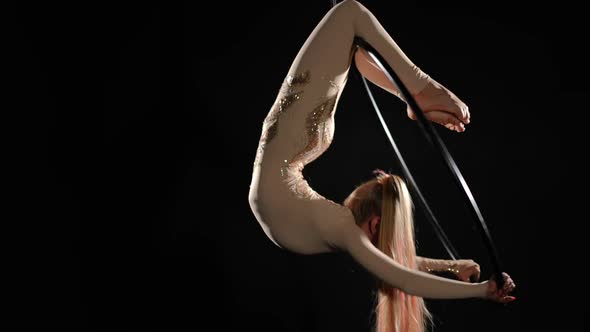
329 47
438 104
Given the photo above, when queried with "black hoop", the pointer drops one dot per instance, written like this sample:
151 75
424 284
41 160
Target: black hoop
432 136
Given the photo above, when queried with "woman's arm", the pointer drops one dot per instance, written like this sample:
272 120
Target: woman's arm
351 238
463 269
430 264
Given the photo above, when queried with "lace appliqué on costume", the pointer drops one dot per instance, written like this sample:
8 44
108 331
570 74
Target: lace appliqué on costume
271 122
297 184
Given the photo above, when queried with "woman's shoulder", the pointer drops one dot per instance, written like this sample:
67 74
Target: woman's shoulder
334 222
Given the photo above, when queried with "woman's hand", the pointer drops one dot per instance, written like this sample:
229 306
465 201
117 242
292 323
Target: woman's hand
466 270
500 295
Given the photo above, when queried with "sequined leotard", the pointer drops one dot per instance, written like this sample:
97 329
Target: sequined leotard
300 127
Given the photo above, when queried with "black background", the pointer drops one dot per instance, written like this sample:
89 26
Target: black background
137 128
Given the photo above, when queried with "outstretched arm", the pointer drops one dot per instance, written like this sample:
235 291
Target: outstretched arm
414 282
339 231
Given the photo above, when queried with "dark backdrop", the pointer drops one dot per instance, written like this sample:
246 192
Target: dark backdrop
139 125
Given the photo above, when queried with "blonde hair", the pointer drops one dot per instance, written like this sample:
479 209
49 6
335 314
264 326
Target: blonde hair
387 196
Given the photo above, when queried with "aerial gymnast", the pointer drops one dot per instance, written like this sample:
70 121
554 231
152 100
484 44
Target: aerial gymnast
374 224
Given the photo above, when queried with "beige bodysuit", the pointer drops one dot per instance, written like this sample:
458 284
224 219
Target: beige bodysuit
300 127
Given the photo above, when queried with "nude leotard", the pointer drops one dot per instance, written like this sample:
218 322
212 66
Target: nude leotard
300 127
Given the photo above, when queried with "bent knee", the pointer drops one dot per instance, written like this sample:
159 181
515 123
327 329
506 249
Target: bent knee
349 8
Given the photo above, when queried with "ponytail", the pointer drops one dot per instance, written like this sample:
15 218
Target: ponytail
397 311
387 196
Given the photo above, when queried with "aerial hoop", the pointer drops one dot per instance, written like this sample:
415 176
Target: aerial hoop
437 143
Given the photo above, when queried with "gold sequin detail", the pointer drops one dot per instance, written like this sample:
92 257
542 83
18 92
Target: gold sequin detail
317 128
299 79
271 123
273 119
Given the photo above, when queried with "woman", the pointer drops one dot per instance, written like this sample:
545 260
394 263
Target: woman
300 127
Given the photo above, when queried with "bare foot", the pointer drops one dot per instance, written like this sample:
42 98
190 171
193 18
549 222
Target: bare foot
442 106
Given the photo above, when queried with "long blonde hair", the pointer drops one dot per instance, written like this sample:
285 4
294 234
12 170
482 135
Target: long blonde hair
387 196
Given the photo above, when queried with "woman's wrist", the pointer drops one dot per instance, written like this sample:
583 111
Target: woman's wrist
482 289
